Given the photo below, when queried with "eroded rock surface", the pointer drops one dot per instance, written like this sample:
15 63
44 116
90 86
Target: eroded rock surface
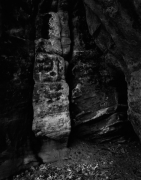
86 58
121 20
50 96
99 88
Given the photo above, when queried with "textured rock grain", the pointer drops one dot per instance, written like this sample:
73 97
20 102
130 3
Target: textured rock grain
50 99
121 20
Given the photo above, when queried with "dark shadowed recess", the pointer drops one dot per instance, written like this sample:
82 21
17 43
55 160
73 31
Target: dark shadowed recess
120 130
92 130
128 5
16 77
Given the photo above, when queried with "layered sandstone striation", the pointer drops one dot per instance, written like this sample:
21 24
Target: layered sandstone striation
121 20
99 89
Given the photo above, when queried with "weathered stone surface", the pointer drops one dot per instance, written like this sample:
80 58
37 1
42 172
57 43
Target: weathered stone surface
66 50
65 42
50 98
78 45
49 68
121 21
92 20
65 32
63 5
64 18
102 39
98 101
103 130
55 126
54 24
92 101
48 46
48 26
48 31
134 95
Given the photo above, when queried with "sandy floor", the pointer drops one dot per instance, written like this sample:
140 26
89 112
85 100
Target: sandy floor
88 161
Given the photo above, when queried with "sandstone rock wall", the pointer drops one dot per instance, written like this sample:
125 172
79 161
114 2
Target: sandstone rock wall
121 19
99 89
50 96
84 57
35 38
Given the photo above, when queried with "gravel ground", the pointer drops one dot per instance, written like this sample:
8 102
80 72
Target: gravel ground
88 161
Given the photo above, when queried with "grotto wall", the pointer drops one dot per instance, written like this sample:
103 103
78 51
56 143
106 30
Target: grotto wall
68 69
121 19
16 82
35 121
99 103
